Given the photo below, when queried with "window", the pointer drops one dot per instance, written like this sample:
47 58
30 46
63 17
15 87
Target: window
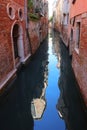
10 11
67 18
77 35
20 14
72 21
71 36
73 1
64 19
15 39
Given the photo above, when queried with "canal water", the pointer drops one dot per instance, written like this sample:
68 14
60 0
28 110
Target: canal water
44 96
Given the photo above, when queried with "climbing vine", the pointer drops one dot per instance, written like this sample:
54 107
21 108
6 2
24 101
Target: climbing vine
31 13
30 4
33 17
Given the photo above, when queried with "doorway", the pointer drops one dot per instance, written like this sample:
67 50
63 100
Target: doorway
17 36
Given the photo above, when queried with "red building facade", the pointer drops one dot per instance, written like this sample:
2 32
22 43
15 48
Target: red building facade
74 36
19 38
78 43
14 44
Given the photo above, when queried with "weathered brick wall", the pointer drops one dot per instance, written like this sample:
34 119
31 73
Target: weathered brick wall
27 48
38 32
64 32
44 27
6 57
78 7
58 27
20 2
7 60
34 35
6 47
79 61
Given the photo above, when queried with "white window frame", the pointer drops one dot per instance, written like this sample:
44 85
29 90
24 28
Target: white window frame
77 39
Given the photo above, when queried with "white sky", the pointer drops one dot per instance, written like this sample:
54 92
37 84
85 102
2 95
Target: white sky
50 6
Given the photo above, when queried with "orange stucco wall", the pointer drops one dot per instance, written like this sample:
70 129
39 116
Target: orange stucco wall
79 7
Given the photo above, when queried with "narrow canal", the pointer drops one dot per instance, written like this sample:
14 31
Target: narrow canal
44 93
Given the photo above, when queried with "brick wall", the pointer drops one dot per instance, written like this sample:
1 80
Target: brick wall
6 47
64 32
34 37
37 34
44 27
6 56
9 16
79 7
20 2
79 61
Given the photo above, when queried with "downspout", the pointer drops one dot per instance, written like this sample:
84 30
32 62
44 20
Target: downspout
27 25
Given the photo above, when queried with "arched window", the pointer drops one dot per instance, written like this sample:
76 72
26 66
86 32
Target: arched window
20 14
15 39
10 11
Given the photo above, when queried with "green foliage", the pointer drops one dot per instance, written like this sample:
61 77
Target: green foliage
33 17
50 19
30 4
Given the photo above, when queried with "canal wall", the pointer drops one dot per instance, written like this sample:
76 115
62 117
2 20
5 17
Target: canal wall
34 35
38 31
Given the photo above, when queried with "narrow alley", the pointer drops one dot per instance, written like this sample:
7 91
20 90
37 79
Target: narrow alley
44 93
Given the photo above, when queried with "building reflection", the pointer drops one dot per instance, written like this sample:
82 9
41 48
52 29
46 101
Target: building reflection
56 46
69 106
38 80
38 103
15 106
38 107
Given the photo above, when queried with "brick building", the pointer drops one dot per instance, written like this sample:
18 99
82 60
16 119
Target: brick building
65 21
57 15
41 7
38 29
73 30
78 43
14 44
61 18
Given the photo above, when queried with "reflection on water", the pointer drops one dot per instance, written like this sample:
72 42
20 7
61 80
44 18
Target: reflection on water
30 104
38 103
50 119
69 104
37 108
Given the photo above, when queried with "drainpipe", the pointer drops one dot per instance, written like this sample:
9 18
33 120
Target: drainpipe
27 25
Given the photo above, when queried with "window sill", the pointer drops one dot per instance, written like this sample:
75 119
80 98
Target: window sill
77 50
